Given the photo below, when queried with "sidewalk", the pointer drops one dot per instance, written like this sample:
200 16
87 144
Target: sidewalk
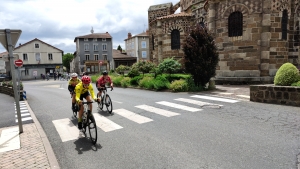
30 149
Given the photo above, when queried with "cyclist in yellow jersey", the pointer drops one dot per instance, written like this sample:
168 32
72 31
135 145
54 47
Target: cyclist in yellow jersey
72 83
84 89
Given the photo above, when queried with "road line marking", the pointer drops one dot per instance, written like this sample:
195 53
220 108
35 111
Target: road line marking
197 102
215 98
10 139
105 124
245 96
23 114
178 106
157 110
132 116
66 129
117 101
24 119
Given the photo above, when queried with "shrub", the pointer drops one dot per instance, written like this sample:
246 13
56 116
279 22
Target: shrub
179 86
160 83
146 82
296 84
191 85
135 80
286 75
125 82
117 80
169 65
133 72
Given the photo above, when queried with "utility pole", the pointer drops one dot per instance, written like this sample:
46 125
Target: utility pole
6 40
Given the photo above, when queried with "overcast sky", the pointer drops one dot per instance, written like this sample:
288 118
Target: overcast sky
58 22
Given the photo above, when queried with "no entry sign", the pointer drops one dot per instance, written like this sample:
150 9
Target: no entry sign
18 63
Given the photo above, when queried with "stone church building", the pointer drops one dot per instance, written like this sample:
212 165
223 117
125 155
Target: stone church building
254 37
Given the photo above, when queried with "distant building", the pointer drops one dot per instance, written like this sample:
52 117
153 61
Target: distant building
121 58
138 46
92 49
38 58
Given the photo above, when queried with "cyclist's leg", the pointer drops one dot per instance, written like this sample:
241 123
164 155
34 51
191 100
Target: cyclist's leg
80 112
73 100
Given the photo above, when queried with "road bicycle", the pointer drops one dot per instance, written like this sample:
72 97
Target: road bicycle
88 121
105 99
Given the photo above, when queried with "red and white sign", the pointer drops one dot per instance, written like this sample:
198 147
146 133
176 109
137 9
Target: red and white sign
18 63
100 62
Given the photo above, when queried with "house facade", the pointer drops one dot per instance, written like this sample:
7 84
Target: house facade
121 58
38 58
254 37
138 46
93 53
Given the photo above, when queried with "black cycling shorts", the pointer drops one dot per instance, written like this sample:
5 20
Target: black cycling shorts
84 95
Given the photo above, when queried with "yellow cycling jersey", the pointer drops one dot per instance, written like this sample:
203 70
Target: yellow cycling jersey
73 83
79 89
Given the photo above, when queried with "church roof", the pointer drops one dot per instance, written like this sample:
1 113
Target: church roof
160 6
175 15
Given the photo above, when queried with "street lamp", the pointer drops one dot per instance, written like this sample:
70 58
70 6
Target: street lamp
8 39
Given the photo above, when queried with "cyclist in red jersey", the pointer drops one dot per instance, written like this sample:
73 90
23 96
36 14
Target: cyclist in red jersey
102 81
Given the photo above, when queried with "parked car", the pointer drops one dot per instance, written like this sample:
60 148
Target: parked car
4 77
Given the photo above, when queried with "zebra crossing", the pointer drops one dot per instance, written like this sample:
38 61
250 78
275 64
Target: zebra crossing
25 115
68 130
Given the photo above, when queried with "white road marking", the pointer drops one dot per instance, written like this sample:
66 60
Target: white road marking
117 101
197 102
10 139
157 110
178 106
245 96
24 114
66 129
105 124
215 98
132 116
24 119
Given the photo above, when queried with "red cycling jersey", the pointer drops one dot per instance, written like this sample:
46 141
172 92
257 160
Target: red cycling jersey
102 81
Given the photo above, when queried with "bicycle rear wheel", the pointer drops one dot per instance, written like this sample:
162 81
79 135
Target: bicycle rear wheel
92 129
108 104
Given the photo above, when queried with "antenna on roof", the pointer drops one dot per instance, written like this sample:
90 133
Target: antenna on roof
92 31
144 27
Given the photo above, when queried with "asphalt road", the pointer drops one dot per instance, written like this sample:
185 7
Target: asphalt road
235 135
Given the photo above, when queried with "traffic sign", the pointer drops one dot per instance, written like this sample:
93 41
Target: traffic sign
100 62
18 63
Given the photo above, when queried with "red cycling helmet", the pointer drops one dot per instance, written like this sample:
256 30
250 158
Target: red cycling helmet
86 80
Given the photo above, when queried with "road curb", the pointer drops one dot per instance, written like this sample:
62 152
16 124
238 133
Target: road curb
51 156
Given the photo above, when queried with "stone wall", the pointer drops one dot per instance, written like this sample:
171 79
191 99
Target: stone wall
285 95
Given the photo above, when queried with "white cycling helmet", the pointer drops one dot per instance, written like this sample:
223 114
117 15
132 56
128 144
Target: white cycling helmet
74 75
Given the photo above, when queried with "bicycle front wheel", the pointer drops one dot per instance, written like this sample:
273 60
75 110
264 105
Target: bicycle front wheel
92 129
108 104
100 104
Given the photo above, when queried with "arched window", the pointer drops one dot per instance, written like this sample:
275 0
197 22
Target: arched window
175 39
284 22
152 42
235 24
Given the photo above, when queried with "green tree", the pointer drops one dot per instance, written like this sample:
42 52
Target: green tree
67 59
143 66
201 56
121 69
169 65
119 48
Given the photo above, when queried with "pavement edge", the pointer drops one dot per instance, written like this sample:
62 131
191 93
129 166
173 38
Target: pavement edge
51 156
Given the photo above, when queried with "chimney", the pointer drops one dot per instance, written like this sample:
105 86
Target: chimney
129 35
147 32
106 32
